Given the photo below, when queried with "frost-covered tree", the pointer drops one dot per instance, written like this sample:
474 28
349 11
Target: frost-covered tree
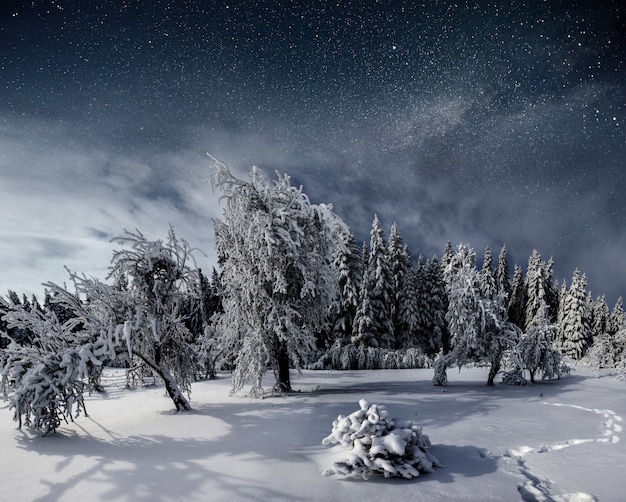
432 307
617 319
347 262
279 286
503 282
574 334
608 352
448 253
517 299
160 277
599 316
45 380
373 326
407 323
487 280
536 350
537 284
400 266
478 329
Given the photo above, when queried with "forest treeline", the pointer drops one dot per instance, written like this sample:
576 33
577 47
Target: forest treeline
293 289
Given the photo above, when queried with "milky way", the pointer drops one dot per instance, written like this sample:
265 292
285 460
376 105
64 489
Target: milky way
481 122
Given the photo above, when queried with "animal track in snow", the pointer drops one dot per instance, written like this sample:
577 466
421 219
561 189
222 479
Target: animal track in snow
538 489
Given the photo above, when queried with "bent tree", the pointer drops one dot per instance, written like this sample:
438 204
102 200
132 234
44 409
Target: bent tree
278 284
156 281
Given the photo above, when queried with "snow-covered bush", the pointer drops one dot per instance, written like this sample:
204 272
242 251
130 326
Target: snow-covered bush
608 352
380 444
360 357
45 381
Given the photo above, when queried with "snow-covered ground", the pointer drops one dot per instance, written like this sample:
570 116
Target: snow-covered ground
559 440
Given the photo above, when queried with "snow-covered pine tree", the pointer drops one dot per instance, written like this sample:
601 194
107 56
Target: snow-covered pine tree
278 282
536 350
540 287
448 253
487 280
478 328
574 335
552 291
617 319
376 295
347 262
408 314
599 316
608 352
432 308
400 265
517 299
503 282
561 308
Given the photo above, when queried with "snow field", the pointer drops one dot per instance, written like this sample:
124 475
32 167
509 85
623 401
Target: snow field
559 440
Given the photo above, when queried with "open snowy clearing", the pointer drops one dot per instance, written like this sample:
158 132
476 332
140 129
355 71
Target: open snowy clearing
559 440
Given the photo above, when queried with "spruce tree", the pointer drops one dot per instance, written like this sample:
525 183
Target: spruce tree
599 316
376 295
487 279
400 265
347 263
503 282
517 299
408 313
432 307
539 288
617 320
574 334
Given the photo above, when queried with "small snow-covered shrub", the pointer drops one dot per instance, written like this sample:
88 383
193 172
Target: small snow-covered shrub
380 444
514 377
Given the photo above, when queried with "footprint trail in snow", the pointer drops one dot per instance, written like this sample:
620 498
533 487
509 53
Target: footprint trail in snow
539 489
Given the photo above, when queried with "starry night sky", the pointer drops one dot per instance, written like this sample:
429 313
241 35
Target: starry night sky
489 123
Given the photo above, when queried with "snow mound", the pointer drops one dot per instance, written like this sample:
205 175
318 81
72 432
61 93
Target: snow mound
380 444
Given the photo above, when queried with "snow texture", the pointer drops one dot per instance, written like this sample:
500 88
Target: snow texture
558 440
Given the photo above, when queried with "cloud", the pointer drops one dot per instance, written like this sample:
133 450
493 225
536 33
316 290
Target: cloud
64 203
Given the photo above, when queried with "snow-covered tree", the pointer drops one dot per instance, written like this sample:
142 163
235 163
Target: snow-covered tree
400 266
379 443
161 276
599 316
478 329
536 350
608 352
45 379
448 253
278 282
517 299
408 314
574 336
373 325
347 262
617 319
503 282
432 306
487 280
537 284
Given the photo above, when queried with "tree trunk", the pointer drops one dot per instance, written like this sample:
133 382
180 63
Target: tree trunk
281 370
495 367
180 401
